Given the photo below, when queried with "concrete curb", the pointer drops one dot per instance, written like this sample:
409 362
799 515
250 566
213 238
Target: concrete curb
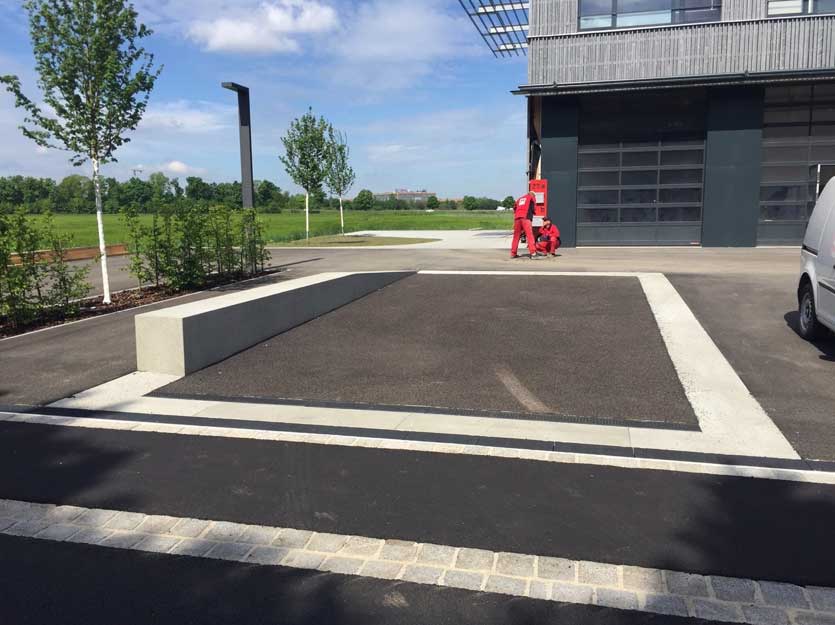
183 339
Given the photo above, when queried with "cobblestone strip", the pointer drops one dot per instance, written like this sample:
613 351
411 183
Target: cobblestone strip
626 462
539 577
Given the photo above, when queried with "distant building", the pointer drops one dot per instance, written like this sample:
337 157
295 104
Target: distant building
405 195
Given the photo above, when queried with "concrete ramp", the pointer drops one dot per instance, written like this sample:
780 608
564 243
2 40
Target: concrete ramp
183 339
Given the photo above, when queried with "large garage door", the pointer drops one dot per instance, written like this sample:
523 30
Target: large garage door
641 169
798 157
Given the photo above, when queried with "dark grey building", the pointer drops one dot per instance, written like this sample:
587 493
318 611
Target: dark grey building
689 122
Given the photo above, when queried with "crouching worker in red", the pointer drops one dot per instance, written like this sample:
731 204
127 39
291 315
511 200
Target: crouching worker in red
522 215
549 238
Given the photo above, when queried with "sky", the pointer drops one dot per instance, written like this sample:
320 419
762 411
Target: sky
424 103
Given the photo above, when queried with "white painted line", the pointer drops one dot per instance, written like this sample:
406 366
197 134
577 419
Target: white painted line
579 274
523 575
522 394
626 462
726 410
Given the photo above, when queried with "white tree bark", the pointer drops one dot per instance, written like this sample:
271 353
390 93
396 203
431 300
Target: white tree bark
341 218
102 246
306 215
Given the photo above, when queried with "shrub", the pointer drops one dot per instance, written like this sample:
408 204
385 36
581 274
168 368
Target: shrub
190 243
38 281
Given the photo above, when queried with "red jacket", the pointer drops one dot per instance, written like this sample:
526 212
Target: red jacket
551 233
525 206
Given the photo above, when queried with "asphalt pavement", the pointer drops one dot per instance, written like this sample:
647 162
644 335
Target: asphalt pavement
44 366
745 298
555 346
717 525
753 320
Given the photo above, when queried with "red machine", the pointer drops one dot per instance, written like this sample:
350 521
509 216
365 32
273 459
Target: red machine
540 189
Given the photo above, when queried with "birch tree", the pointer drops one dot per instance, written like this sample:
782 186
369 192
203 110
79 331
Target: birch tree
307 156
95 80
341 176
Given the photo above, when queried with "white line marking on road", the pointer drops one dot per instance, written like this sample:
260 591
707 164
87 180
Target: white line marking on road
519 391
352 440
726 410
575 274
534 576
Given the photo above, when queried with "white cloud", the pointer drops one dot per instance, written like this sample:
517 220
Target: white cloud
189 117
179 168
391 44
273 27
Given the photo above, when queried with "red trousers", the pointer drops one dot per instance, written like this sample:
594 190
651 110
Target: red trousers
548 247
520 224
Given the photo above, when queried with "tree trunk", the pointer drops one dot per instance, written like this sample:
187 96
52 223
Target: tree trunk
341 217
307 215
102 247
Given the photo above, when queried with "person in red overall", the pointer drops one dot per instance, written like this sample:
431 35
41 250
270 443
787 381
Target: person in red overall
549 238
522 215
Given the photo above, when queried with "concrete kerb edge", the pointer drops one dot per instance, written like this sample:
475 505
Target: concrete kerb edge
184 326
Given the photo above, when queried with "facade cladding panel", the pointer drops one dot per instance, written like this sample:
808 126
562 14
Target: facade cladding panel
697 121
665 52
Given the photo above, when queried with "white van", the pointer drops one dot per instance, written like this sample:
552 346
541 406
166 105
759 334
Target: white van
816 290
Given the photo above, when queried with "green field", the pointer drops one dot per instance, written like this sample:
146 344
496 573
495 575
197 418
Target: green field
290 226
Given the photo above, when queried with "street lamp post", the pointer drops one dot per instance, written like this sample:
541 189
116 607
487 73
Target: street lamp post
247 192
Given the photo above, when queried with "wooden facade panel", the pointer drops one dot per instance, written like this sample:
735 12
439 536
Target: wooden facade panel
769 45
743 10
553 17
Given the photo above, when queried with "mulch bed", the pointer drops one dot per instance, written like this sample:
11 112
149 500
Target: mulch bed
121 300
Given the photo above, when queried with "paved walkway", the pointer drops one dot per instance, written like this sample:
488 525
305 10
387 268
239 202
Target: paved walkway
449 239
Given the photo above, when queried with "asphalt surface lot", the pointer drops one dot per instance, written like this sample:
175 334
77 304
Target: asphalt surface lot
147 588
45 366
556 345
753 320
759 529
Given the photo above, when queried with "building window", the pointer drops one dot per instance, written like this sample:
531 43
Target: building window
798 136
597 14
800 7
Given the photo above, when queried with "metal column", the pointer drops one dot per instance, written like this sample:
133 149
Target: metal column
247 191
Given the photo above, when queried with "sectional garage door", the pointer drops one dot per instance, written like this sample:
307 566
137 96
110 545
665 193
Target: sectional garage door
798 156
641 169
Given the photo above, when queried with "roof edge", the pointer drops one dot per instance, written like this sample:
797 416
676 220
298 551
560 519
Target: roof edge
745 78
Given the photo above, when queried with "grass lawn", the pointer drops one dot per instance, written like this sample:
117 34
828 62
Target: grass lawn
290 226
349 240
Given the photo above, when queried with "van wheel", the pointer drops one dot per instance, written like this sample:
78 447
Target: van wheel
809 326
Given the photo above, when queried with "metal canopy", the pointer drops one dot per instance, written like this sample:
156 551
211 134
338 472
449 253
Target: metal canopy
503 25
